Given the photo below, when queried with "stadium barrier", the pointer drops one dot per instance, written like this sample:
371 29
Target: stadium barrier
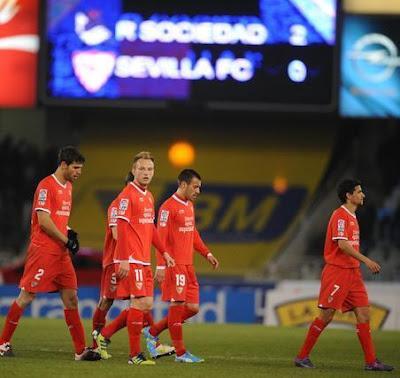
220 303
294 303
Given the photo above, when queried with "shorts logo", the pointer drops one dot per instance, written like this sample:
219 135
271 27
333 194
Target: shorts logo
113 288
34 283
139 285
179 290
123 204
42 195
330 299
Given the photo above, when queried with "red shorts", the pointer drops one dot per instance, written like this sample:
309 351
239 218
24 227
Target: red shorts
138 283
46 273
180 284
108 287
342 289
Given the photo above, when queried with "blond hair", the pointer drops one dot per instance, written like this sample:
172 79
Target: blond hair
143 155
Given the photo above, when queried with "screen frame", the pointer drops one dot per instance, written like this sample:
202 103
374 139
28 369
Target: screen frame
231 106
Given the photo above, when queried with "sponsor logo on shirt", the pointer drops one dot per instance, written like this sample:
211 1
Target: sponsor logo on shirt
64 213
186 229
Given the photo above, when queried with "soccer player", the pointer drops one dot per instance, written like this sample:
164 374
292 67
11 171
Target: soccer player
342 286
109 284
136 233
48 266
176 225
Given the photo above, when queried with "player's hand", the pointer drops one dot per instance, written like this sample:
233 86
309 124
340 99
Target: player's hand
213 261
72 243
373 266
159 276
123 269
168 259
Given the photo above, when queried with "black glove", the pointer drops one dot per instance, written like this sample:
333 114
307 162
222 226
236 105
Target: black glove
73 243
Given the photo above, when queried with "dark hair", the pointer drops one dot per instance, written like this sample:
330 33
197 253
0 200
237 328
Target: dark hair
129 178
346 186
70 154
187 175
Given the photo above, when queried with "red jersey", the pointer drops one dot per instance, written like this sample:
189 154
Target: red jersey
176 227
135 226
110 242
54 198
342 225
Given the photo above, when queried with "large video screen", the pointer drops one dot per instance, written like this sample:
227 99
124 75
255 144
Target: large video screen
256 53
370 62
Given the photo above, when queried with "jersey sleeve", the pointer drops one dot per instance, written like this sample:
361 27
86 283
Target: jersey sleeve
163 224
339 227
199 245
44 198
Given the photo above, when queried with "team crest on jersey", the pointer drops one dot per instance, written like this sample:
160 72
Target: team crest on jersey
123 204
139 285
179 289
42 195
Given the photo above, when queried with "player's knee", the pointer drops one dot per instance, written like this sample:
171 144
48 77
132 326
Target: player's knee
327 315
25 298
105 304
194 308
71 302
362 315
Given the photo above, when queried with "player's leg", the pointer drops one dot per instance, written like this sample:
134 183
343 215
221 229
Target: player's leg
72 318
333 292
357 301
192 294
14 314
191 309
67 286
314 331
99 317
364 335
135 318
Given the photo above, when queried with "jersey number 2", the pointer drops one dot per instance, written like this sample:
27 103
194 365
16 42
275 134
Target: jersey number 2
39 274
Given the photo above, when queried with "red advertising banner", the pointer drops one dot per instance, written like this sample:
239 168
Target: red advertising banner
19 45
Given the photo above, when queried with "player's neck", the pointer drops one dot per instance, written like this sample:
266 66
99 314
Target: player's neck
59 176
180 195
352 208
143 187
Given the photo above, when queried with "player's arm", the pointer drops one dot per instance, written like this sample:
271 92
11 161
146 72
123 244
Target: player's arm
121 247
161 250
348 249
114 232
47 225
200 247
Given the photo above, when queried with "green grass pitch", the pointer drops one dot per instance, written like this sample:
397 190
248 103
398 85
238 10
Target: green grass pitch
43 349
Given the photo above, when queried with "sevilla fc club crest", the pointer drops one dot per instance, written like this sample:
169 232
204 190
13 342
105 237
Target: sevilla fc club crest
139 285
34 283
330 299
179 289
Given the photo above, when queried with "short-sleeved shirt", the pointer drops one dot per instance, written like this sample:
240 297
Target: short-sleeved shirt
109 241
54 198
176 227
136 207
343 225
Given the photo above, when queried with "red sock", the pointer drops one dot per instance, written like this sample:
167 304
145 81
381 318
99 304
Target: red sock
188 313
316 327
158 327
118 323
75 327
175 328
14 314
148 319
364 335
99 321
135 325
